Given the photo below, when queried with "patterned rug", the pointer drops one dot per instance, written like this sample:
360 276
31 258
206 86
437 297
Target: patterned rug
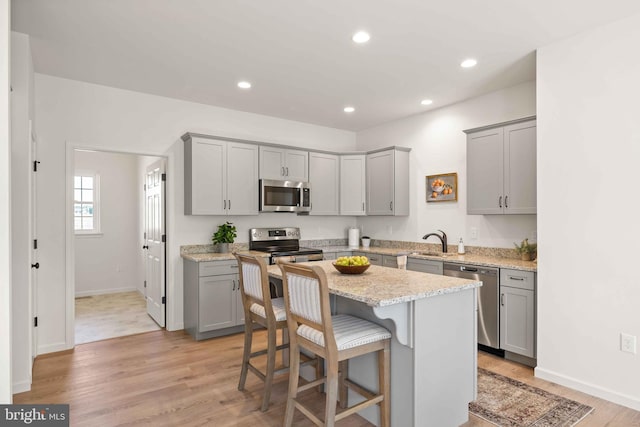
509 403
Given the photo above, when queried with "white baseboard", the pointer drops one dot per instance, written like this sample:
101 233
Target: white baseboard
21 387
594 390
52 348
104 291
177 327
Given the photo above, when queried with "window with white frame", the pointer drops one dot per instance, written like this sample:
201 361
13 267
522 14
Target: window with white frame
86 203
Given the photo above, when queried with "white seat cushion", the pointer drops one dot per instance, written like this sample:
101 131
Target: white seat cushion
278 309
349 332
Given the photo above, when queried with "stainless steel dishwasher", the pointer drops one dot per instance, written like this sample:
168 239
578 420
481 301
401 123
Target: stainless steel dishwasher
488 298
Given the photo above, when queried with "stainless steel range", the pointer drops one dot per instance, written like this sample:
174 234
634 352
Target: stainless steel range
282 242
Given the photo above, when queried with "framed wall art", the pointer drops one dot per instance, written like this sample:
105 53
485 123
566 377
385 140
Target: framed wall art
442 187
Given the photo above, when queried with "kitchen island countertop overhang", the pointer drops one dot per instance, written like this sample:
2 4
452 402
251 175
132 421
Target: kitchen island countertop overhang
382 286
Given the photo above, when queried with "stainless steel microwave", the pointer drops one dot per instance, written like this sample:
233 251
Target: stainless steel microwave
284 196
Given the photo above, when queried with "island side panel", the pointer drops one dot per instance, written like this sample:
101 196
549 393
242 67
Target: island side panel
364 369
445 354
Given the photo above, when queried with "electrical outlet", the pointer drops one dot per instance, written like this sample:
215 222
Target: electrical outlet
628 343
473 231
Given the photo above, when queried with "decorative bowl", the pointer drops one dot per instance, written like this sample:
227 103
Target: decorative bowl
351 269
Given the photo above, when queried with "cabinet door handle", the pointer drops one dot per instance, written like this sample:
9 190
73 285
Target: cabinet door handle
225 205
229 204
516 278
501 299
234 285
506 201
287 170
36 265
500 202
233 266
281 170
362 206
390 206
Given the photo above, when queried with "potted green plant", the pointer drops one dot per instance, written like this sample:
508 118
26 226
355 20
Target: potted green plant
225 234
526 250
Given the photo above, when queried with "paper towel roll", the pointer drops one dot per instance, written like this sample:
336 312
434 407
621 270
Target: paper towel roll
354 238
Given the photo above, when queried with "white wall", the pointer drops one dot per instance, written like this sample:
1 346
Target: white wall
117 120
588 156
21 171
438 145
108 262
5 208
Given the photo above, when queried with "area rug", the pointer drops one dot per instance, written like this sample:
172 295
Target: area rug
509 403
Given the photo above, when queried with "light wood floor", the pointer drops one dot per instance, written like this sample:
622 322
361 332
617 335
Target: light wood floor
111 315
167 379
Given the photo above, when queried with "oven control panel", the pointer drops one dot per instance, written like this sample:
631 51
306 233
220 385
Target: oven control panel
262 234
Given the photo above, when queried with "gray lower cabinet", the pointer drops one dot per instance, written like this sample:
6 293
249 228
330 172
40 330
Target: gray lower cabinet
425 265
212 299
375 259
390 261
335 255
517 312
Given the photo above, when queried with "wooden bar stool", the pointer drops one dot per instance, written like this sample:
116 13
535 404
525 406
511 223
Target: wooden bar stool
260 309
334 338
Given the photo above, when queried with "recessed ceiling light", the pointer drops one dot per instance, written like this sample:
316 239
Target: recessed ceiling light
244 85
468 63
361 37
426 102
349 109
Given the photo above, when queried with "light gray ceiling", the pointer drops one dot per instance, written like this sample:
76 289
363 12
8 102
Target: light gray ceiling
298 54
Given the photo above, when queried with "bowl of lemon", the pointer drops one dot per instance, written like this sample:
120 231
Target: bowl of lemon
351 264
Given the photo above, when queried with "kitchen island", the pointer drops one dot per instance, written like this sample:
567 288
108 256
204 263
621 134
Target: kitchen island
432 319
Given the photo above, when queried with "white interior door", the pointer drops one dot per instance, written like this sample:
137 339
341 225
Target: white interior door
33 285
155 241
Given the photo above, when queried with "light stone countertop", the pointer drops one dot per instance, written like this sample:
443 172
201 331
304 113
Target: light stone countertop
215 256
476 259
383 286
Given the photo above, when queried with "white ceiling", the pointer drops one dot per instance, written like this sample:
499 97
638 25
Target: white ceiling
298 54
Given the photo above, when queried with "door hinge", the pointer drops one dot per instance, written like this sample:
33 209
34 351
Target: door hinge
35 322
35 243
164 176
164 238
145 283
164 300
35 165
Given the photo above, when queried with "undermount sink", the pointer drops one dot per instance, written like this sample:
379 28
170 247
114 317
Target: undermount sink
434 254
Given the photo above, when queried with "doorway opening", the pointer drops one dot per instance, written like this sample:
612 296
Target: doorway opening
114 224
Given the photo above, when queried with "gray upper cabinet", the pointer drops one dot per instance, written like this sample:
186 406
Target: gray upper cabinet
284 164
353 184
220 177
501 169
388 182
324 176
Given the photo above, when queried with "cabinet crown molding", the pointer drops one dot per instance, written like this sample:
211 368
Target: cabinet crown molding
497 125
